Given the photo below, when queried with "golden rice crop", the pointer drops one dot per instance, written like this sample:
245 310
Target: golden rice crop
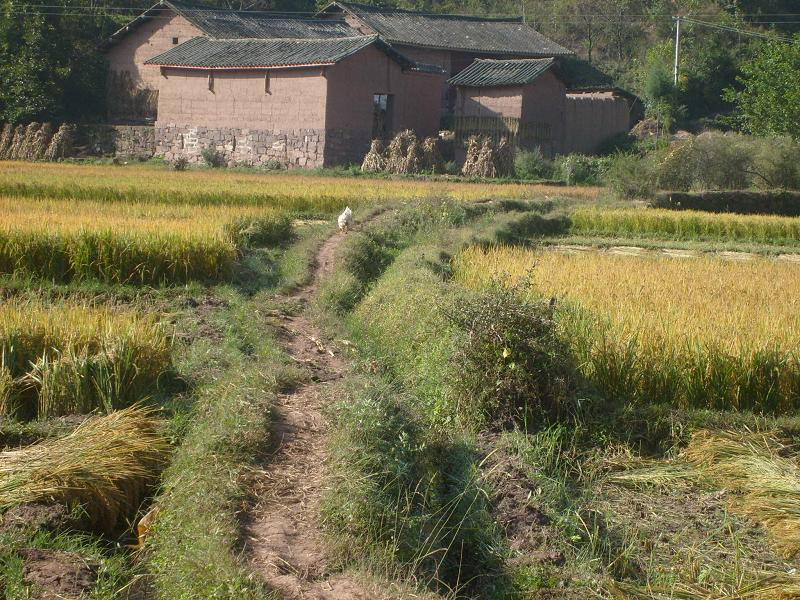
686 225
287 192
106 465
132 242
69 358
693 333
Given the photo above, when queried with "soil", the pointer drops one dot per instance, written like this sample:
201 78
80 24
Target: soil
50 517
55 574
283 536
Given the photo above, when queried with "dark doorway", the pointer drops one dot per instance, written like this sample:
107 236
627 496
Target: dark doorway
382 115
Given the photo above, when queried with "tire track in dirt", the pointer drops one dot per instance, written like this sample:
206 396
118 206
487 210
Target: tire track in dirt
282 532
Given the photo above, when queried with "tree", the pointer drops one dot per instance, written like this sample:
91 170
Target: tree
768 101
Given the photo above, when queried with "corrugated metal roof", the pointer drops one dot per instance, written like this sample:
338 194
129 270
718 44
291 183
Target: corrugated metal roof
495 73
201 52
229 24
451 32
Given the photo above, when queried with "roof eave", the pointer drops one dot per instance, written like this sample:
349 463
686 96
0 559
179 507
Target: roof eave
240 67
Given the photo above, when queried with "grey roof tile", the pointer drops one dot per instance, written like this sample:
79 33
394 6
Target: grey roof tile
202 52
452 32
495 73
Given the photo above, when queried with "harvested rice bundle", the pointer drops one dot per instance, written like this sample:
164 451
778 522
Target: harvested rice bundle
62 144
374 161
432 156
16 142
415 159
40 142
397 152
762 473
5 140
504 158
107 465
26 150
473 152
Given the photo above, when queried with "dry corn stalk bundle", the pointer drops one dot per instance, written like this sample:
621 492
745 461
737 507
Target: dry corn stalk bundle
504 158
62 144
415 159
26 150
5 140
473 152
485 165
397 152
16 142
106 465
432 155
374 161
40 142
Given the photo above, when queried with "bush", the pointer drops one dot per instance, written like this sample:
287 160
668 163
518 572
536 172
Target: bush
631 176
180 164
577 169
260 232
776 164
532 164
212 158
512 365
621 142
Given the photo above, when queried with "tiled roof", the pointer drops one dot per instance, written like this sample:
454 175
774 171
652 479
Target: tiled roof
229 24
451 32
493 73
202 52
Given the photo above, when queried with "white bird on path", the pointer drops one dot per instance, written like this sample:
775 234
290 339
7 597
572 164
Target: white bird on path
345 219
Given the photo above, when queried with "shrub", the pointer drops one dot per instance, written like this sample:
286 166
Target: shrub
532 164
212 158
776 163
620 142
180 164
273 165
743 202
259 232
511 363
720 161
577 169
631 176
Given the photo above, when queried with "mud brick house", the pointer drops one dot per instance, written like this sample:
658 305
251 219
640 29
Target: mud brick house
263 88
300 102
451 42
560 105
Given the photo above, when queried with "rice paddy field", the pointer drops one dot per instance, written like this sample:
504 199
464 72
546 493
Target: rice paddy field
696 333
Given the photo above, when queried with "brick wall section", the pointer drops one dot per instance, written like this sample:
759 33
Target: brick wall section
592 118
146 41
543 101
295 98
351 86
490 102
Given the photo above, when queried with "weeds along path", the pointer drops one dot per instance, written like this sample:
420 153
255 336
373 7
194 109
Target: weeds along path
282 533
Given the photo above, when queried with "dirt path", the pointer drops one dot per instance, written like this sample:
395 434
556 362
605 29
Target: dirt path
283 536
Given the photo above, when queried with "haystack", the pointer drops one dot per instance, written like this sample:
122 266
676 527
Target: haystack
374 161
16 142
62 144
5 140
432 156
31 130
40 142
397 152
504 158
473 152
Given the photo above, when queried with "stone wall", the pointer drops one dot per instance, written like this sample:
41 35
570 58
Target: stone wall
123 141
296 148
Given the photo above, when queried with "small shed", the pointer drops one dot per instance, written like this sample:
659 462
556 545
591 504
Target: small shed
545 102
523 100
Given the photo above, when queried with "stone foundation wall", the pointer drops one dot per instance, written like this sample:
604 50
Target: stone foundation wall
296 148
124 141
